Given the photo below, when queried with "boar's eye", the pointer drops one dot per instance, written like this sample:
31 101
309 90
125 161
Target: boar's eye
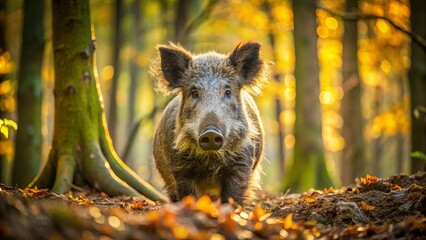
228 93
194 94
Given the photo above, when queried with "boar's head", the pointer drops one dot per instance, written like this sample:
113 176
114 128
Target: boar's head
212 87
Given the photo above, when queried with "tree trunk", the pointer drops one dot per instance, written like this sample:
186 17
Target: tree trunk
353 162
308 167
29 139
118 38
81 147
182 13
417 76
278 106
133 63
3 156
377 143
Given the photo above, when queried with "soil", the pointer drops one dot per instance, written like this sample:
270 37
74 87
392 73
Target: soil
393 208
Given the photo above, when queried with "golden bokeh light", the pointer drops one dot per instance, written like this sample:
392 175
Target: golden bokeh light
386 66
382 25
289 141
107 73
327 97
331 23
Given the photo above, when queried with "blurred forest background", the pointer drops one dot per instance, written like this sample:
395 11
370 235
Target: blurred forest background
363 80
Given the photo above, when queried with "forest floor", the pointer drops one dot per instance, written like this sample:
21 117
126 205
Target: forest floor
393 208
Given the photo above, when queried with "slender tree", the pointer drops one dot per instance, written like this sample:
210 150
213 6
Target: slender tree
117 43
29 139
3 156
353 162
182 15
308 167
277 77
137 45
417 76
82 150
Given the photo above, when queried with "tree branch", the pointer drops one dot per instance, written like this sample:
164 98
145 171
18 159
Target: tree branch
204 14
355 16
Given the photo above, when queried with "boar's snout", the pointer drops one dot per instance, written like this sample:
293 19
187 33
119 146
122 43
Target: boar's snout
211 138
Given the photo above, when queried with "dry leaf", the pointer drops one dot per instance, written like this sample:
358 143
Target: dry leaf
311 198
288 221
180 231
367 207
368 179
137 205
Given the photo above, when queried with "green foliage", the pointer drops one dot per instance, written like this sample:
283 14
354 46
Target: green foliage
419 155
5 125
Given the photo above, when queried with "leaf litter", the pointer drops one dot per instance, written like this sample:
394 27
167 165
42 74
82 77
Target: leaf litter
374 208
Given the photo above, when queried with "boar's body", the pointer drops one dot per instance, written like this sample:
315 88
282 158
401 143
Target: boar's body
210 138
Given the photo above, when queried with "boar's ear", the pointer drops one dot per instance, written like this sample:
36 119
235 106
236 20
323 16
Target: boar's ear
246 61
170 66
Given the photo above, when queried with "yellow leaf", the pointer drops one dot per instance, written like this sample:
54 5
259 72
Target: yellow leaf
5 131
367 207
310 199
288 221
204 204
180 231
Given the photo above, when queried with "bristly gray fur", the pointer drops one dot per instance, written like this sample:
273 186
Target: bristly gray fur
162 85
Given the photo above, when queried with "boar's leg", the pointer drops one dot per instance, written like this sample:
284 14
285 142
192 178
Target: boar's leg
184 187
234 183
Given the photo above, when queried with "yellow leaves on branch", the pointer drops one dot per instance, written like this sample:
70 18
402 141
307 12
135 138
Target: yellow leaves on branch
5 125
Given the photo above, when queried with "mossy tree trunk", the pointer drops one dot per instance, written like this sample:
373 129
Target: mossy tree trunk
29 139
308 167
81 150
353 163
417 75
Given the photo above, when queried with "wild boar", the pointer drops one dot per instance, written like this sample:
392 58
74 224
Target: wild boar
210 138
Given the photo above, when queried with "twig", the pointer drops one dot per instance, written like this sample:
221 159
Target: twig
204 14
135 129
355 16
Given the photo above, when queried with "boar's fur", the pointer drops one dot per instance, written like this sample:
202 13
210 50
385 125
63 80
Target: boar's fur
214 99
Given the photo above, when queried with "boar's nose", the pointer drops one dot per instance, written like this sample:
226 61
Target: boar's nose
211 138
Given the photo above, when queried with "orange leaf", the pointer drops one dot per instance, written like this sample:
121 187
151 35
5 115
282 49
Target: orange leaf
258 226
367 207
203 204
188 202
180 231
329 190
368 179
229 225
169 218
310 199
257 213
137 205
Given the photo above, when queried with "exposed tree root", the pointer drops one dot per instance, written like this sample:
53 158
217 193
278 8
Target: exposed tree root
82 152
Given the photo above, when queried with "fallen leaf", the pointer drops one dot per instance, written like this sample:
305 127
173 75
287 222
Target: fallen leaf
288 221
310 198
180 231
367 207
368 179
137 205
